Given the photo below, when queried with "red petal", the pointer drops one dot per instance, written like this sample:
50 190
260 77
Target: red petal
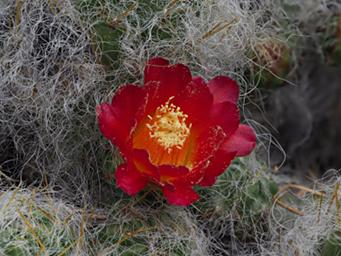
140 158
242 141
226 115
208 181
199 80
195 100
224 89
109 124
163 81
183 176
181 195
208 143
129 180
170 173
117 120
154 68
239 144
127 101
218 165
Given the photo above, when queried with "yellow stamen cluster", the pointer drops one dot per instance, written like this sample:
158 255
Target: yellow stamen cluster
169 126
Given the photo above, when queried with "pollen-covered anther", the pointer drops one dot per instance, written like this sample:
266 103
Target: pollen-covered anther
168 126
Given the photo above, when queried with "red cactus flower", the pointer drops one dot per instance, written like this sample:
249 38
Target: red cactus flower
176 131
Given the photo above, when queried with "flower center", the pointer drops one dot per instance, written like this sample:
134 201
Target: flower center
168 126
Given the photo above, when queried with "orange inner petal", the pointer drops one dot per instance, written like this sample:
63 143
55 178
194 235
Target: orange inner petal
166 136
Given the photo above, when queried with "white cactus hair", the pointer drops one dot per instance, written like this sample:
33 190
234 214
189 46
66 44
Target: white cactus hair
52 155
50 83
306 234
